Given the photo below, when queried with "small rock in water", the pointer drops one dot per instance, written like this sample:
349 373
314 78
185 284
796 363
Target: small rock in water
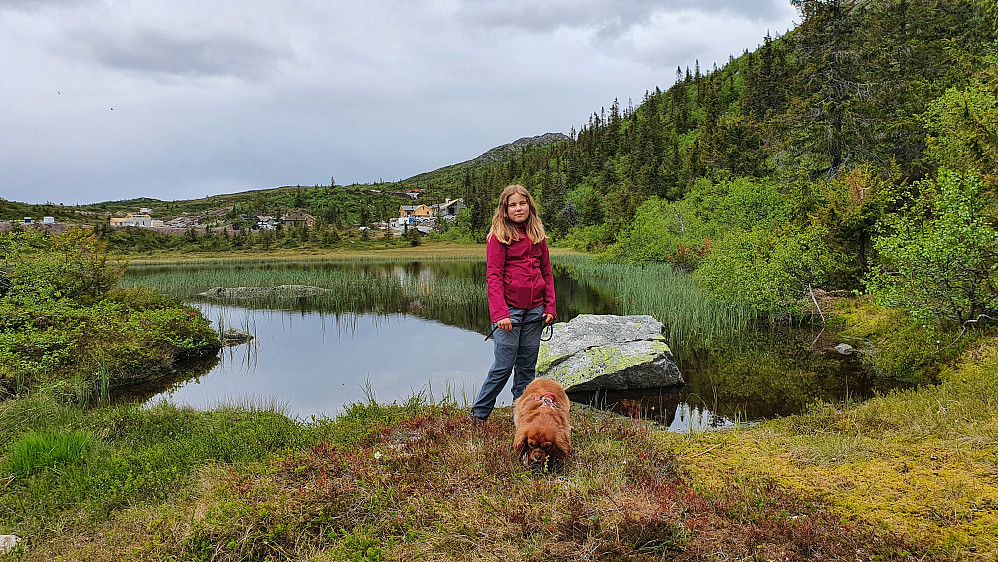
235 336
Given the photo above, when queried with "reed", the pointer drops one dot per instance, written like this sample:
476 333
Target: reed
692 319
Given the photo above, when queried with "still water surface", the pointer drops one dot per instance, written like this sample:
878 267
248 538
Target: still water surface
314 364
316 357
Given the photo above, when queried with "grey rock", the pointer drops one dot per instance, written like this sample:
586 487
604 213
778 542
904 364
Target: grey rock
8 543
608 352
845 349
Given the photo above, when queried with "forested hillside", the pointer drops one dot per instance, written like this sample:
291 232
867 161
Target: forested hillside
856 152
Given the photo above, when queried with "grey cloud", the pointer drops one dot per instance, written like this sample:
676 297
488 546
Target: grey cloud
157 53
35 5
608 18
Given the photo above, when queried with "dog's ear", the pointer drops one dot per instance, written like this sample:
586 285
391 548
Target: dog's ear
520 444
563 444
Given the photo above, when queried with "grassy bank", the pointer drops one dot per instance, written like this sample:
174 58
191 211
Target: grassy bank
906 476
66 328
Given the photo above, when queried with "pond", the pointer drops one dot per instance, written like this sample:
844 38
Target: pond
391 329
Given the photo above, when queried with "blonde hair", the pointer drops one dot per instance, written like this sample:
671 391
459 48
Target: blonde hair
504 229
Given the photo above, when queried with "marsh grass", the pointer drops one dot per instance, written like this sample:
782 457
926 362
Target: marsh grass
373 284
692 319
375 251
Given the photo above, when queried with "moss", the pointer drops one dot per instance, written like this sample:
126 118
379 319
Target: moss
902 346
916 463
597 361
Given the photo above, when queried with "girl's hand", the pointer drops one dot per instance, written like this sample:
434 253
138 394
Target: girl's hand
505 324
548 318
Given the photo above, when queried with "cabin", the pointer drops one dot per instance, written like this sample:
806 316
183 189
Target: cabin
449 208
301 220
266 222
417 211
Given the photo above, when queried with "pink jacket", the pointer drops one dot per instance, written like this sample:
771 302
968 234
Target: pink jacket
518 275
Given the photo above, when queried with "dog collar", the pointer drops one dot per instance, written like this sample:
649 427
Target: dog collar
547 399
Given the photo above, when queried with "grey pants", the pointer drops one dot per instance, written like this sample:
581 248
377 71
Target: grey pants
515 352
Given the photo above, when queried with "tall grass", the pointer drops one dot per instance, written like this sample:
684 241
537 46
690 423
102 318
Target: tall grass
692 319
38 450
66 461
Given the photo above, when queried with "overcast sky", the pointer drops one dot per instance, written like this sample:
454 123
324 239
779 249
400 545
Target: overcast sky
177 99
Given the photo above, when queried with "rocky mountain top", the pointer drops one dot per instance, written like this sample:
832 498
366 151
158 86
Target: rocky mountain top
505 151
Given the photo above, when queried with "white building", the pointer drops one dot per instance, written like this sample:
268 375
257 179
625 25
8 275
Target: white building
132 220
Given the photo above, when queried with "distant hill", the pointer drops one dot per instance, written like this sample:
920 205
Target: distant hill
450 179
498 154
437 184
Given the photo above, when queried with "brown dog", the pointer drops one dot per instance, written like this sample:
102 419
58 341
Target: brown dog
541 419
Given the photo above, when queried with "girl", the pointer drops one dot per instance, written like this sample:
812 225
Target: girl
521 291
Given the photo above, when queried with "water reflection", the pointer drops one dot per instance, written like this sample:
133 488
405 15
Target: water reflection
316 364
390 330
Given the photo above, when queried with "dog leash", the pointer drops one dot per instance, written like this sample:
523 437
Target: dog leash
546 334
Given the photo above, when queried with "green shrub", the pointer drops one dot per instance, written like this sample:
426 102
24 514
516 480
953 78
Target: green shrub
768 270
939 258
63 325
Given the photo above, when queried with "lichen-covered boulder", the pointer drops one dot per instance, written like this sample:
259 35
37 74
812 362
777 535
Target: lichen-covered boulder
608 352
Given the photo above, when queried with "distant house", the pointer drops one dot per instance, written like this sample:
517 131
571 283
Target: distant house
415 211
145 211
449 208
399 223
266 222
299 219
132 220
